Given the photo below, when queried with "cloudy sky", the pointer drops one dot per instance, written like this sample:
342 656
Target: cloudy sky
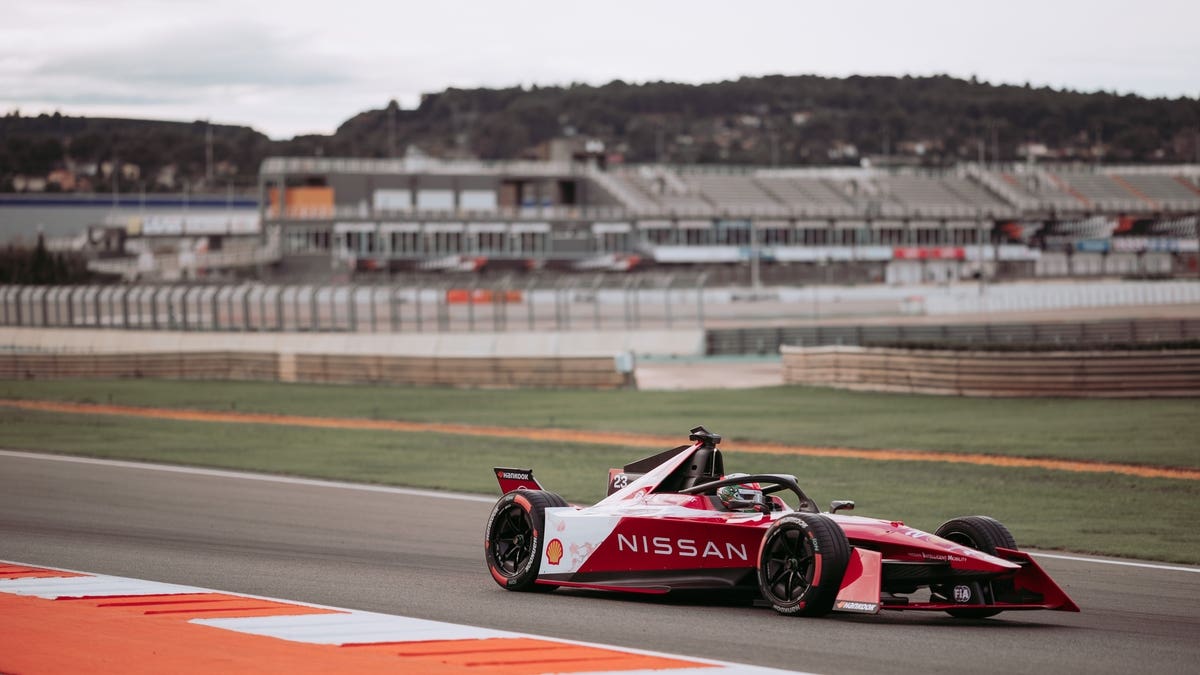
305 67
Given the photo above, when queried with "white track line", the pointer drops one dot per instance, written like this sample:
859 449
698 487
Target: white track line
245 475
1123 563
459 496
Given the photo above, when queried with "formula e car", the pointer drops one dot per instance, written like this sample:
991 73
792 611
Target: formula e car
676 522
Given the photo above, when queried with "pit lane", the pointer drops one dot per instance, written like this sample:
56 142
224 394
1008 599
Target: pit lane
401 551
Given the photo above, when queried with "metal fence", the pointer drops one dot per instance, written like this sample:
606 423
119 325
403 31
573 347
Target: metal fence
1074 334
570 303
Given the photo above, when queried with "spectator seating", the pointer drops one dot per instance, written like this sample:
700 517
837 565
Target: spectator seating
1043 190
975 190
1165 190
805 192
731 191
1102 191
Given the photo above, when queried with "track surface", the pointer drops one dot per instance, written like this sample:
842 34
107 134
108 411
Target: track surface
397 552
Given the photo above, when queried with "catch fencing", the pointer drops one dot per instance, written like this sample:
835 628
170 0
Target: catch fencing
639 302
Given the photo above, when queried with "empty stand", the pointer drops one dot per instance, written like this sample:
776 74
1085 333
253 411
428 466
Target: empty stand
1040 190
732 192
1167 191
974 194
1102 191
805 194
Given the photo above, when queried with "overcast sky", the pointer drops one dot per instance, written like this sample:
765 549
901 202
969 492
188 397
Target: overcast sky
305 67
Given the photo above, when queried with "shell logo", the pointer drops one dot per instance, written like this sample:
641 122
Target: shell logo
554 551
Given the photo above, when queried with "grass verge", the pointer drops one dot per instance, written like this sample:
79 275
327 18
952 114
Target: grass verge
1096 513
1160 433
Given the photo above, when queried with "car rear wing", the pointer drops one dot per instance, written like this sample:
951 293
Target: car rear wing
516 479
619 479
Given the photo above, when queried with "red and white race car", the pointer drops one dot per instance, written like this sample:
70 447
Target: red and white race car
675 521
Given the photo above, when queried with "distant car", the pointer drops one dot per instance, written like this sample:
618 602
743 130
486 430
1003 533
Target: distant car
676 522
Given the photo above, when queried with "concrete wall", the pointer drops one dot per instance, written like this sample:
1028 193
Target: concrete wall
689 342
544 372
551 360
1091 374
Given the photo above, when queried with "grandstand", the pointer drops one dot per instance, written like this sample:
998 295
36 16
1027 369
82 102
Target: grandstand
377 216
793 224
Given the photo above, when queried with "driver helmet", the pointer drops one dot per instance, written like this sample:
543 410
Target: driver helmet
743 497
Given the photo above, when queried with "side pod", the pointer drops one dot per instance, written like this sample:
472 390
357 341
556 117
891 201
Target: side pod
859 591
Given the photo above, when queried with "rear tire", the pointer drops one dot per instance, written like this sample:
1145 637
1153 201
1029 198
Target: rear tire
801 564
512 546
982 534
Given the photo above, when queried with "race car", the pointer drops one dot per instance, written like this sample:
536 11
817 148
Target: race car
677 522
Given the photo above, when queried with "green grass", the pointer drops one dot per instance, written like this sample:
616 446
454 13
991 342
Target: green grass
1096 513
1154 432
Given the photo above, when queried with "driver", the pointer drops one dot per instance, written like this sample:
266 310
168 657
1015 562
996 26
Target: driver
744 497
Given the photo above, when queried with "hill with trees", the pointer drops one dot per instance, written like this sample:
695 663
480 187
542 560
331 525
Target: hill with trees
774 120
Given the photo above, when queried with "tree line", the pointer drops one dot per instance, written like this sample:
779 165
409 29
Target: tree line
774 120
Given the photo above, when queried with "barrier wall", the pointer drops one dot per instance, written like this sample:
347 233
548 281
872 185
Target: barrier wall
552 372
1028 297
165 365
678 342
1091 374
550 360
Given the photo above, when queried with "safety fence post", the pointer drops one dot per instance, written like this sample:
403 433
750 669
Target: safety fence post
500 306
244 301
596 301
333 313
667 297
471 306
215 308
45 306
371 293
314 318
279 308
394 308
417 305
443 309
183 311
529 302
125 318
637 303
262 308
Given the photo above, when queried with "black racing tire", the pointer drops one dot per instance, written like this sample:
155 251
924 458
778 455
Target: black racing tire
512 546
982 534
801 564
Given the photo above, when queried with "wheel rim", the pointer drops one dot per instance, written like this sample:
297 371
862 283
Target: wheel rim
961 538
788 565
512 540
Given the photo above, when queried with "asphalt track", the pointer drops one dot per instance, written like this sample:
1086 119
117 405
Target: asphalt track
402 552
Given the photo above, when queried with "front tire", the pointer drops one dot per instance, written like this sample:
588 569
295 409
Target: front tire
801 564
512 540
982 534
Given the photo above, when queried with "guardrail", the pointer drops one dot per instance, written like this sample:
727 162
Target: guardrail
1091 374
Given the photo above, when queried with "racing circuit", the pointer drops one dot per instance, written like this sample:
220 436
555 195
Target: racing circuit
417 554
